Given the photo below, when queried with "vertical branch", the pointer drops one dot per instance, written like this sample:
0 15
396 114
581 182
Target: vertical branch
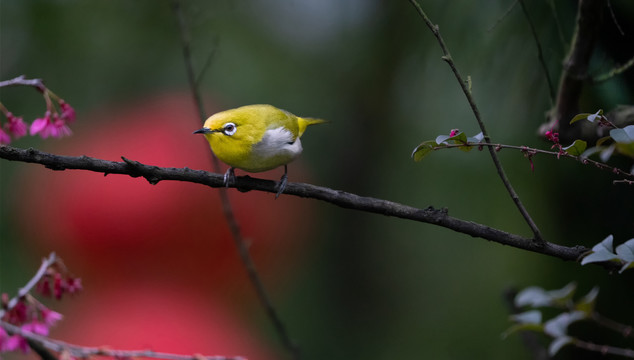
589 18
496 161
227 209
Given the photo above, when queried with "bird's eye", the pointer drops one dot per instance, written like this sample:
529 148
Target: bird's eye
229 129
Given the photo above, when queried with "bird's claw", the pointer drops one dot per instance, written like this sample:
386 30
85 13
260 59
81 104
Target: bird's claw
229 178
281 185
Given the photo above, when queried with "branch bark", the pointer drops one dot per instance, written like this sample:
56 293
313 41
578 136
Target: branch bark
575 69
155 174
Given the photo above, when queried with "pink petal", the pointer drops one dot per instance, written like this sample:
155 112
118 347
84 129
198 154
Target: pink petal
38 125
4 138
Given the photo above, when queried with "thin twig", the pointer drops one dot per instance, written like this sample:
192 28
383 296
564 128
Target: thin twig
624 330
439 217
614 72
616 23
604 349
506 13
526 149
500 170
46 263
85 352
540 53
232 222
22 80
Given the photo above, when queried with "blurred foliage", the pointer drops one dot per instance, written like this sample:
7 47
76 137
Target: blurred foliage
369 287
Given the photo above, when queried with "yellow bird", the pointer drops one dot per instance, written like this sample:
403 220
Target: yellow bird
256 138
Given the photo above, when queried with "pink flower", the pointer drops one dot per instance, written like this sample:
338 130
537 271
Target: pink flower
18 314
13 343
58 286
50 317
3 337
50 125
5 139
41 126
44 286
73 285
68 113
552 136
453 132
36 327
15 126
59 128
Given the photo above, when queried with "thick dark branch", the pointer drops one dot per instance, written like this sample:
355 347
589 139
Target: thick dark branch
154 174
575 70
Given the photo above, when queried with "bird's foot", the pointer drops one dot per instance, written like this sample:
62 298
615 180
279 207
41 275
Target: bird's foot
230 177
281 185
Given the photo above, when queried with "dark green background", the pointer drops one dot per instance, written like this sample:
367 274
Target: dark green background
372 287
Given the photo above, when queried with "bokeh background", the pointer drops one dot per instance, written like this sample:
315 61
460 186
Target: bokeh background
158 266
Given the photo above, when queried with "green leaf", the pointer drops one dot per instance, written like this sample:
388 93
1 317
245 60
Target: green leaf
623 136
602 140
558 326
532 296
563 295
625 252
442 139
586 303
528 317
477 138
459 138
606 153
591 151
578 117
557 344
522 327
535 296
596 115
601 252
529 320
576 148
423 150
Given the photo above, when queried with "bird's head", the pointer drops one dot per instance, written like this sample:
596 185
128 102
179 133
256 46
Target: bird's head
232 128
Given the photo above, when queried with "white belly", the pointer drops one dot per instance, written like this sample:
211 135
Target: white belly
277 147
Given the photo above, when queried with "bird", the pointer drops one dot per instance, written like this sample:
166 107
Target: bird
256 138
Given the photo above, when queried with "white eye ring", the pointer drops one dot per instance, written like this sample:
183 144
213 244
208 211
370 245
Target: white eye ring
229 129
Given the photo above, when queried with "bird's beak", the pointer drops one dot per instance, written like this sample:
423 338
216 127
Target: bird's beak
204 131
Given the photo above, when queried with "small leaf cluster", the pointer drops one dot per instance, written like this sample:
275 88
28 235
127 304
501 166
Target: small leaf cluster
533 298
619 140
603 251
455 139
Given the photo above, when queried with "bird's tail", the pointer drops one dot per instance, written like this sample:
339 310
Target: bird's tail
304 122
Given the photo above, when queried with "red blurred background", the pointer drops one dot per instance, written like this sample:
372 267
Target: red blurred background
159 268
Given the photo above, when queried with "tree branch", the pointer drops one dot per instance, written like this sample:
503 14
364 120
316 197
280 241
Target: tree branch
85 352
476 112
575 69
22 80
46 263
155 174
232 222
